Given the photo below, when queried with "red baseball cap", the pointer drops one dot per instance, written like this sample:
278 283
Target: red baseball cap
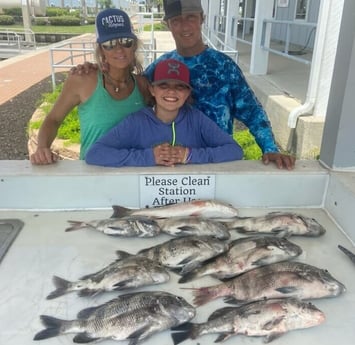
171 69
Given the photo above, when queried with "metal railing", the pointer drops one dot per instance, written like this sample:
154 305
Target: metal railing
242 31
70 54
17 39
286 46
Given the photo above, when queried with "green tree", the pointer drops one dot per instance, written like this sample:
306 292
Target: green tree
105 3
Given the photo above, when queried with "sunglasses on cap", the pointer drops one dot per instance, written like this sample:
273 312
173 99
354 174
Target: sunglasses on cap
124 42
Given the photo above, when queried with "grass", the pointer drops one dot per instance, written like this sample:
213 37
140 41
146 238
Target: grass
70 128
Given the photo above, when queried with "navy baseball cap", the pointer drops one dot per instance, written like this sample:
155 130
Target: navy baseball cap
113 23
174 8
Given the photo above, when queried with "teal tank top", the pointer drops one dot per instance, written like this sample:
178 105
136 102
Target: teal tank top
101 112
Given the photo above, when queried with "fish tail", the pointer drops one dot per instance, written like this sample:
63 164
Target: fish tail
188 277
53 327
185 331
76 225
204 295
120 211
63 286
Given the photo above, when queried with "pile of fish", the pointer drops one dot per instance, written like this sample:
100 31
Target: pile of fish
258 273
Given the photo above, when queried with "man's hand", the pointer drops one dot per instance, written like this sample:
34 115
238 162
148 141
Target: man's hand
84 68
281 160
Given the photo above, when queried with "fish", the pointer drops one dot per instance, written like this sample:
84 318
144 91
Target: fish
182 254
193 225
283 224
204 208
347 252
245 254
277 280
269 319
132 325
128 271
137 226
122 304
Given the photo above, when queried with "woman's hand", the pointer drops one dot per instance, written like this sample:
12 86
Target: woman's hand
43 156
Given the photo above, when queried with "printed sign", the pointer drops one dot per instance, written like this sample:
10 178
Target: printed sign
160 190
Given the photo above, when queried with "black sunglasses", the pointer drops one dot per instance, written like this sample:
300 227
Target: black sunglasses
124 42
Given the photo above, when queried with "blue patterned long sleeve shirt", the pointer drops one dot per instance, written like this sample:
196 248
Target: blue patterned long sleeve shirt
221 91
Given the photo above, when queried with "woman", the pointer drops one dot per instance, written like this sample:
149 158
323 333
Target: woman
104 96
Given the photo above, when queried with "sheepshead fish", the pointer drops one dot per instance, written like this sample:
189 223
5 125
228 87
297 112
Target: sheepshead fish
278 280
278 223
245 254
138 226
204 208
268 318
129 271
133 325
122 304
199 226
185 253
348 253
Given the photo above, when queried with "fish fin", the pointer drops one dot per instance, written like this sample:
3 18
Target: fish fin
176 270
121 254
281 232
179 337
62 287
232 300
185 331
120 211
219 313
76 225
286 289
187 277
244 230
270 337
83 338
52 325
88 292
261 261
87 312
270 325
137 335
186 228
347 252
223 337
190 266
122 284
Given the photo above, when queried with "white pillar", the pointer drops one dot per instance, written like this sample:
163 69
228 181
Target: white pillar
260 57
26 15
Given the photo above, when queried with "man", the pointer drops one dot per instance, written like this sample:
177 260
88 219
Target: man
219 86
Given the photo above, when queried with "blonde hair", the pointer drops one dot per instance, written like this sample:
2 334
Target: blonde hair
135 67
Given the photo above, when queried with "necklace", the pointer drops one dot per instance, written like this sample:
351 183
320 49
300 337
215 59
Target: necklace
113 82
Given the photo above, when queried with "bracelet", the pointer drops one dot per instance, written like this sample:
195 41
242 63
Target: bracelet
188 155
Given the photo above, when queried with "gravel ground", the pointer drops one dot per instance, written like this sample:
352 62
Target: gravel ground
14 117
